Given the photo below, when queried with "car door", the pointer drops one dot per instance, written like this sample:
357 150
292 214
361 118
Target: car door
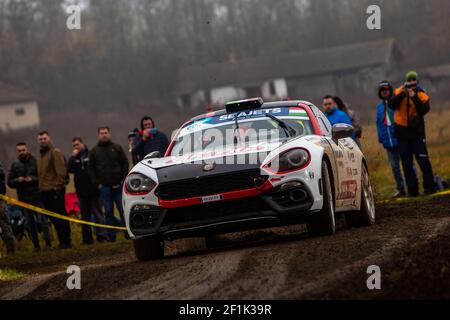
349 182
344 163
336 154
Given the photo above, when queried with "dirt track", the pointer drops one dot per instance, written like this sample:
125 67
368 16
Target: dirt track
410 243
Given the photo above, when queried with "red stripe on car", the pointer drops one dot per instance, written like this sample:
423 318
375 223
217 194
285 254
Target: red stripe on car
171 204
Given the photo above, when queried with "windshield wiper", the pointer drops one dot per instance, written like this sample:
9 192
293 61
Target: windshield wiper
287 128
236 128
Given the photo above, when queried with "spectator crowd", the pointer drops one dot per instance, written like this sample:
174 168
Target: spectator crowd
98 176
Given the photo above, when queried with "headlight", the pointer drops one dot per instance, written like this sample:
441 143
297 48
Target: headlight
138 184
291 160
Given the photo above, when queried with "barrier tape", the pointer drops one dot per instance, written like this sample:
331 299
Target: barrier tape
404 200
55 215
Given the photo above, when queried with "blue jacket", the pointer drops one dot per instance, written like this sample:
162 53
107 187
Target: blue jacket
338 116
386 135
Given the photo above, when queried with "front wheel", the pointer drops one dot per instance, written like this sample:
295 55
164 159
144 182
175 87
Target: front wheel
366 215
148 248
323 223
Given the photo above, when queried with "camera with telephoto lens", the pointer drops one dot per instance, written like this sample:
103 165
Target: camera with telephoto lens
410 86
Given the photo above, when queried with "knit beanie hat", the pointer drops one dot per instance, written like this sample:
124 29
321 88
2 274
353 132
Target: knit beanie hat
412 75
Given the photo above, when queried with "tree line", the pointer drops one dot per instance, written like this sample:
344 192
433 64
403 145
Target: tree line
131 51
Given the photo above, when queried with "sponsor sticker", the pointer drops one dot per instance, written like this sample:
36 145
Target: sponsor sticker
351 156
297 112
213 198
259 113
348 190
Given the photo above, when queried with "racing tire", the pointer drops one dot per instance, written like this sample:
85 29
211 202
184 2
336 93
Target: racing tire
323 223
148 248
365 217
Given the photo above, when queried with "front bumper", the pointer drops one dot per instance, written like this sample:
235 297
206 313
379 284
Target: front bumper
279 206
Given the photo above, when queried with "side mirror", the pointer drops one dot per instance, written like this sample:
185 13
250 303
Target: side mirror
342 131
154 154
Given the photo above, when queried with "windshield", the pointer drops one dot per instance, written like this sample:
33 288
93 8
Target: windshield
253 128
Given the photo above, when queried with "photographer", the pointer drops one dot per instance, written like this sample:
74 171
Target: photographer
411 104
149 140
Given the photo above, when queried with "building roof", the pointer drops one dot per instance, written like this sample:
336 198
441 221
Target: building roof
12 94
253 71
442 71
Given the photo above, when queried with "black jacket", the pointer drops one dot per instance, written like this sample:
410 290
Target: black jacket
157 142
2 180
108 164
26 191
79 167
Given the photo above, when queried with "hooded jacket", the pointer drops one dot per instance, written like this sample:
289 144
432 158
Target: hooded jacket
26 167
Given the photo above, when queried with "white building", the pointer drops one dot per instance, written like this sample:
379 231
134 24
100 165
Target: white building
18 109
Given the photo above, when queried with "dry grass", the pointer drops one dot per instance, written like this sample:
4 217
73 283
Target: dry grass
10 274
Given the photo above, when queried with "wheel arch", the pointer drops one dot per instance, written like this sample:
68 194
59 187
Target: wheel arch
330 172
364 163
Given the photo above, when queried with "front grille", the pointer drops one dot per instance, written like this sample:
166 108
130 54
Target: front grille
217 211
209 185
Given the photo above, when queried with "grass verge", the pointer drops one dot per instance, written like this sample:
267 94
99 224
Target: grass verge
7 274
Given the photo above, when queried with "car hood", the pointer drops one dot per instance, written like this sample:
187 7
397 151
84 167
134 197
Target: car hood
261 149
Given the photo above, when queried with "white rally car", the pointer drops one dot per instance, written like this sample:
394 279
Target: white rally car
252 165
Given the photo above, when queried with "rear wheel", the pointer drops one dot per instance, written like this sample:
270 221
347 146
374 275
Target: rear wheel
148 248
323 223
366 215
